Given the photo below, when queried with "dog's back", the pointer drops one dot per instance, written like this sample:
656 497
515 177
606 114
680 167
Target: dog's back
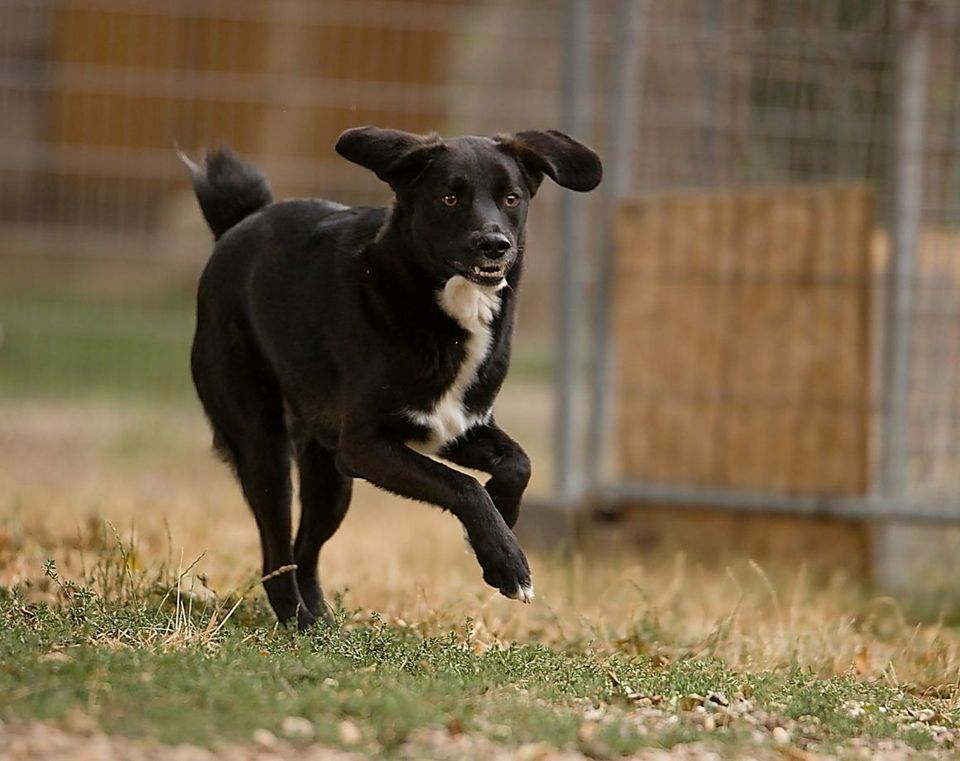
270 289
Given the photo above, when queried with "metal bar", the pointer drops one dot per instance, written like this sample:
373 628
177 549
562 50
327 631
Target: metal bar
682 496
572 236
709 63
624 97
913 45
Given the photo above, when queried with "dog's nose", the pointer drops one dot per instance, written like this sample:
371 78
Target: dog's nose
493 245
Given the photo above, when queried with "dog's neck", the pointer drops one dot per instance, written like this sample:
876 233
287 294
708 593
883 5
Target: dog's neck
405 280
394 251
472 306
402 267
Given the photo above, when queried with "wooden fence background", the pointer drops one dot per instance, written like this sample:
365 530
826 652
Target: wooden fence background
743 329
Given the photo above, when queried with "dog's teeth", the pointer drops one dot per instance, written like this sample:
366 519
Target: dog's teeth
476 270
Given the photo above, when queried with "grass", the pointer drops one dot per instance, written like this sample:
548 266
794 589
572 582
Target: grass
144 656
115 635
61 346
139 646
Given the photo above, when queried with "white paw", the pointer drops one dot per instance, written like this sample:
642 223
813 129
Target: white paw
525 594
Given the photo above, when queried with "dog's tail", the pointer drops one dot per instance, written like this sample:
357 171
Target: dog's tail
227 187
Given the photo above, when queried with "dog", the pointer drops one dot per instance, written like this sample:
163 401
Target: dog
365 342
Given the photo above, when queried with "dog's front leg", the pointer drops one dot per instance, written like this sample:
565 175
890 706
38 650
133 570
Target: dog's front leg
489 449
393 466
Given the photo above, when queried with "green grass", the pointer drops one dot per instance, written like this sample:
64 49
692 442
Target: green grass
68 347
145 662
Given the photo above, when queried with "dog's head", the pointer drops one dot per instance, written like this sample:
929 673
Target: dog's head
464 200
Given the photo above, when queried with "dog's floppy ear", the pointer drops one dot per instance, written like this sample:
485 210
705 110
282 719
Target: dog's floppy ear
564 160
396 157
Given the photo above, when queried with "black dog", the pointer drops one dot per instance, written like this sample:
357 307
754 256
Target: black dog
360 340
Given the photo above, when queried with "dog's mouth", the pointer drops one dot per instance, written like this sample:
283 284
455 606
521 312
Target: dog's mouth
482 274
492 272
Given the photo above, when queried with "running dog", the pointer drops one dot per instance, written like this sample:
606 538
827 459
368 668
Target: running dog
361 341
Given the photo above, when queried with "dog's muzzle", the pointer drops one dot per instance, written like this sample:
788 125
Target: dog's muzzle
483 271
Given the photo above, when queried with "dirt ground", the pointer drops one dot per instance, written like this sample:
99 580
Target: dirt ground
86 743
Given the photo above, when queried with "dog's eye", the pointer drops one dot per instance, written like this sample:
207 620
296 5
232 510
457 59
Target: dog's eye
512 200
449 199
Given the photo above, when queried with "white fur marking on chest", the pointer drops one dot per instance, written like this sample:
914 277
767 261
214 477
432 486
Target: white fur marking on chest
474 308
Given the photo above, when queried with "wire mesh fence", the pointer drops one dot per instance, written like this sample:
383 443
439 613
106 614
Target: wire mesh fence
768 358
756 324
102 240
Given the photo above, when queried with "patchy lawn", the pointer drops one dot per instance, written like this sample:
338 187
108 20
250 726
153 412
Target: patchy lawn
152 640
139 656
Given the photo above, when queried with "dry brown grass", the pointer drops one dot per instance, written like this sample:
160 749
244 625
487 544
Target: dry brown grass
68 469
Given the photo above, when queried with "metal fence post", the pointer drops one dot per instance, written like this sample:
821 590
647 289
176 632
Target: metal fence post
623 99
576 78
912 46
907 206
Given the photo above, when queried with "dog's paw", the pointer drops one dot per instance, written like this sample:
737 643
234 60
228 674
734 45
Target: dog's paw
312 597
524 593
507 570
305 619
519 587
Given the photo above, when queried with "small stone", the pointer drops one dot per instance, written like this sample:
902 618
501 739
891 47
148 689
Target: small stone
854 708
429 737
264 738
588 730
533 752
79 723
781 736
297 726
349 732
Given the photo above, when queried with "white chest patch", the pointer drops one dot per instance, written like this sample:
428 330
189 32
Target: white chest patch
473 307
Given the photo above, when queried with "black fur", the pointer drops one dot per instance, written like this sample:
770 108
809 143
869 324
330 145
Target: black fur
229 190
319 330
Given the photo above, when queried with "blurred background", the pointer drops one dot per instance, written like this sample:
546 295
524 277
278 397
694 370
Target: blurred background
745 341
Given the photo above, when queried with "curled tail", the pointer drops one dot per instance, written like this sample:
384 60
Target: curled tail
227 187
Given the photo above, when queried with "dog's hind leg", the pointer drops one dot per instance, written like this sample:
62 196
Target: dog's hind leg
245 408
263 466
324 498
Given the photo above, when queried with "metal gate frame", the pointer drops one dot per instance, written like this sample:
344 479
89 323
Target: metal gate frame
888 499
